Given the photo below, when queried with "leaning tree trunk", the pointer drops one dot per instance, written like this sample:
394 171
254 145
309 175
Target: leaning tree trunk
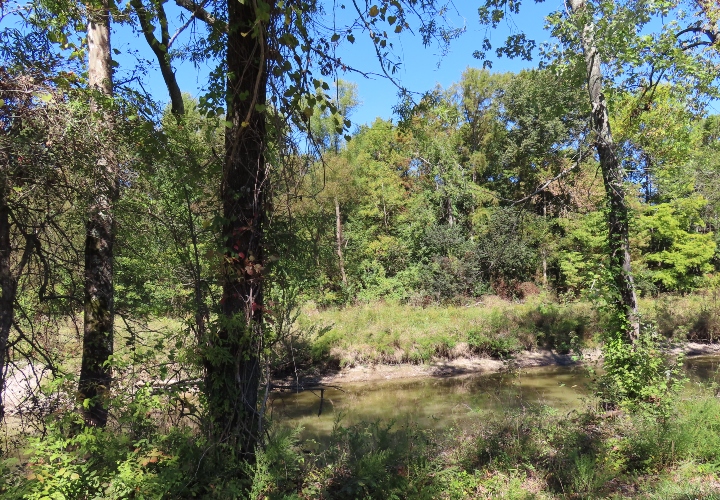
160 49
95 372
232 362
613 177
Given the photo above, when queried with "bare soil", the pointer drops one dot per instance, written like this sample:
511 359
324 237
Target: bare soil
465 365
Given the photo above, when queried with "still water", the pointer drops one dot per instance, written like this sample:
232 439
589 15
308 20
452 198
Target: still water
436 402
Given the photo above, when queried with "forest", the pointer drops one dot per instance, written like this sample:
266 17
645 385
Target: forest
175 267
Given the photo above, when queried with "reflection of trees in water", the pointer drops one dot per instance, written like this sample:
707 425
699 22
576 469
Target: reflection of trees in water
452 401
703 369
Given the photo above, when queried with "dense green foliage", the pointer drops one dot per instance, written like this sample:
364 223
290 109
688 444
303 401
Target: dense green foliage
490 185
390 244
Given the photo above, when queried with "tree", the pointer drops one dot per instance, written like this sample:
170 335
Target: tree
579 31
264 46
160 48
232 358
26 184
325 124
96 369
47 143
613 175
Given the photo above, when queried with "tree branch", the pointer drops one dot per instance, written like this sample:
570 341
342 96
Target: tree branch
199 12
161 52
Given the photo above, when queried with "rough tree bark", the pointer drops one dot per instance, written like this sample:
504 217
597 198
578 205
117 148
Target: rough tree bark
8 287
232 363
95 372
613 177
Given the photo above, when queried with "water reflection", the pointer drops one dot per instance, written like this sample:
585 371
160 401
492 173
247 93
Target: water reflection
432 402
448 401
703 368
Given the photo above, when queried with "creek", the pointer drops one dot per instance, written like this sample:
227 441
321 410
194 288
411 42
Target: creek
443 402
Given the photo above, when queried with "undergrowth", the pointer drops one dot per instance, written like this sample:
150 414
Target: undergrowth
390 333
532 453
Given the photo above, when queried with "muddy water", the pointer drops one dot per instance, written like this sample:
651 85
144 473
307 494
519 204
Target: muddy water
442 402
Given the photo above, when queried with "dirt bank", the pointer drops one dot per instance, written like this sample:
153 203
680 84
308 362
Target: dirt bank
464 365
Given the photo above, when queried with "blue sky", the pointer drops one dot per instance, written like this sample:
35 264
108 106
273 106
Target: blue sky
423 68
419 71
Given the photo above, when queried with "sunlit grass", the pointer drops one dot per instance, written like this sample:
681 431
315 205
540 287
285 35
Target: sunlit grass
383 332
392 332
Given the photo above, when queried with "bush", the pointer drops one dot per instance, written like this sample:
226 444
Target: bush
638 374
99 463
557 327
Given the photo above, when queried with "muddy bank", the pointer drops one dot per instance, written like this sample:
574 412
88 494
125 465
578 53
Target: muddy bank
466 365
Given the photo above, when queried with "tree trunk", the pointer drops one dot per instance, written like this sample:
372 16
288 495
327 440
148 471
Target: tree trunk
544 250
95 372
613 177
201 310
232 362
8 289
339 237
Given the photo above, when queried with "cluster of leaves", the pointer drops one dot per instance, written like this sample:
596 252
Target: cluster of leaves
492 183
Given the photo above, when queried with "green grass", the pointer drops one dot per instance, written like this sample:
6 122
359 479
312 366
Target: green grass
694 317
391 333
536 453
396 333
533 453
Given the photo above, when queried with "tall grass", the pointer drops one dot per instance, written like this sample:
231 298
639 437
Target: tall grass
396 333
391 332
534 453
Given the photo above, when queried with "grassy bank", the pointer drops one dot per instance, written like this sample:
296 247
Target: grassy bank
391 333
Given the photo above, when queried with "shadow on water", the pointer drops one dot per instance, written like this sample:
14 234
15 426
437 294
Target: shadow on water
432 402
448 401
703 368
